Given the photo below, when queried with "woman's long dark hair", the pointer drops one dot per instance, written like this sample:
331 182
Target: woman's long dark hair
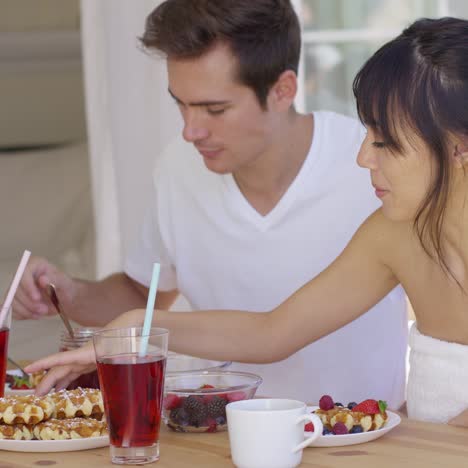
419 81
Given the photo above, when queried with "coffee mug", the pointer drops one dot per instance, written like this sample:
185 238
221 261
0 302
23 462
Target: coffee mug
269 433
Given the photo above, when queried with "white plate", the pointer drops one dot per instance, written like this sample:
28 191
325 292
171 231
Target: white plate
352 439
12 391
54 445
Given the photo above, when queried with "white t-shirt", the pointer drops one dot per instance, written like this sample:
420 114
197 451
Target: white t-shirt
220 253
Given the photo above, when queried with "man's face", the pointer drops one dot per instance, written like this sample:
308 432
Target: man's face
222 117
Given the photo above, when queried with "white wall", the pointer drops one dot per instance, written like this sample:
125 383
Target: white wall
130 119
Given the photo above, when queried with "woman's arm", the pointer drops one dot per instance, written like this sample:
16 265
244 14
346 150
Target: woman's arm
352 284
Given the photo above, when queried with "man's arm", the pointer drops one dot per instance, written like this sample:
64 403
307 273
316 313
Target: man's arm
97 303
91 303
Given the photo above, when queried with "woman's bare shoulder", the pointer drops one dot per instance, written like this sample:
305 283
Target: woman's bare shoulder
385 233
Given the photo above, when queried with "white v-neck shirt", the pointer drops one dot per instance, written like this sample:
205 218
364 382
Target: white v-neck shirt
220 253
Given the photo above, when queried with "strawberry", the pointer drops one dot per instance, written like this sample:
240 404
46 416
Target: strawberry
371 407
20 383
206 386
236 396
171 401
309 427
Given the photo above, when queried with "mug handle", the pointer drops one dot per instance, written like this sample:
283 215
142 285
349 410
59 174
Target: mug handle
318 428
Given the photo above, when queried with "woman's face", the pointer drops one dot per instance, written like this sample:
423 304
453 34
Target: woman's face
401 180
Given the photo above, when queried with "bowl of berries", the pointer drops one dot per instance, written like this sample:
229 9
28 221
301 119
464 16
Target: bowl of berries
177 363
196 401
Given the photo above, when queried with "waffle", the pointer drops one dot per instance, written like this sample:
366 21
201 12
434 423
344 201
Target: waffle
81 402
15 432
62 429
368 422
27 409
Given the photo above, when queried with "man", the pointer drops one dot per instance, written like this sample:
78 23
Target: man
262 200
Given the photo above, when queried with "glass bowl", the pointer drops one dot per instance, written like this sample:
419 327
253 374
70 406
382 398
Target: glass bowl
182 363
196 401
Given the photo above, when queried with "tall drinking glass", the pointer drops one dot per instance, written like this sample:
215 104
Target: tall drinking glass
132 388
4 335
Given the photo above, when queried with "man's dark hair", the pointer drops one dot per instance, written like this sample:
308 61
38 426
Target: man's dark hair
419 82
264 36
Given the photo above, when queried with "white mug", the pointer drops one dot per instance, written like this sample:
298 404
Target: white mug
269 433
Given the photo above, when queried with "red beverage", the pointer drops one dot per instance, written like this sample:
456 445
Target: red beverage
4 334
90 380
132 388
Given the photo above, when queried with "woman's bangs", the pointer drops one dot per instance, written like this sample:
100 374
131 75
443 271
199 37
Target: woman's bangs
383 93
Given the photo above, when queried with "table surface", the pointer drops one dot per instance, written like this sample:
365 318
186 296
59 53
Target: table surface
411 444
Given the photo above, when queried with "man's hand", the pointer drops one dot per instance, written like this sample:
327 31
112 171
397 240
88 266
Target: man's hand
31 299
460 420
64 368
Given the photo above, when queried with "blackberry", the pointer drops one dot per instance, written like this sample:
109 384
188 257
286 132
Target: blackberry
196 410
179 416
216 407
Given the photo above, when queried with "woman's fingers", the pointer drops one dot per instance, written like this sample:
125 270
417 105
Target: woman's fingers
64 368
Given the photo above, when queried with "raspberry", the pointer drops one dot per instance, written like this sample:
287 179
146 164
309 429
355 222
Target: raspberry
326 403
339 429
309 427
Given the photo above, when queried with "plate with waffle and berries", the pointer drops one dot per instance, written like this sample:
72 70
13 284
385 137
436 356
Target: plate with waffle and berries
353 424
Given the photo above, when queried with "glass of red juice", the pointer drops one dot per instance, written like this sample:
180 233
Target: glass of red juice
4 335
131 370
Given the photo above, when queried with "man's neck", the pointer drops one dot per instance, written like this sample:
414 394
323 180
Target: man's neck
264 183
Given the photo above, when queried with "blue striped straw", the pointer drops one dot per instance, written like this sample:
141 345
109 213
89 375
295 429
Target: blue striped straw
149 309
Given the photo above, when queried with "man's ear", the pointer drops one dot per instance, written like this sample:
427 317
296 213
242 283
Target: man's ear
283 92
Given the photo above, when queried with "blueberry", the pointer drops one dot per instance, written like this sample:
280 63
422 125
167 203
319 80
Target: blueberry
326 431
351 405
339 404
356 429
220 420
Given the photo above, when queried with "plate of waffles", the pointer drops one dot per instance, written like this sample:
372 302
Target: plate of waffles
339 440
54 445
57 422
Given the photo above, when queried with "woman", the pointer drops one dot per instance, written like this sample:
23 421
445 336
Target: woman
412 95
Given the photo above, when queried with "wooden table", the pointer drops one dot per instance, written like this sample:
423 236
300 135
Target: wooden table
412 444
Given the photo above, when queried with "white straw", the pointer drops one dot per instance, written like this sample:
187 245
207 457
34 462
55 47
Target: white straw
14 286
149 309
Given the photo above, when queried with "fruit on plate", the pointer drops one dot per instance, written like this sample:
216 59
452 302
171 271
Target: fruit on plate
18 382
369 415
